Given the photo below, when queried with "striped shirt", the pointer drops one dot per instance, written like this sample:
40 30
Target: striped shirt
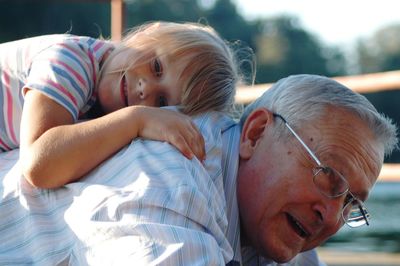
147 205
63 67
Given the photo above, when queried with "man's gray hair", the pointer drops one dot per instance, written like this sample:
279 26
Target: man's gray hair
303 98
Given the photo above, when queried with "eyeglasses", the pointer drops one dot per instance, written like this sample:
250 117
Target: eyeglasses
332 184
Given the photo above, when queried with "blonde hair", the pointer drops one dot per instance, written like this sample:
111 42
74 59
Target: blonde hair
211 66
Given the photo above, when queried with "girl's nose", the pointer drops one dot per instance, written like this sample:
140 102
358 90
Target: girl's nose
141 89
146 93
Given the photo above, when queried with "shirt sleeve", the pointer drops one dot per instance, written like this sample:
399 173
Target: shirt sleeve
65 72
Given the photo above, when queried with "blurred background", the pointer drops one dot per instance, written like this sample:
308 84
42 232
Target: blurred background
331 38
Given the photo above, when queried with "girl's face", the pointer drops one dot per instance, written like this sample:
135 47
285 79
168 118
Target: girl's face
156 80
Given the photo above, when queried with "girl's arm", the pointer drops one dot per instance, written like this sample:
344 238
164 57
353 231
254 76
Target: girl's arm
55 150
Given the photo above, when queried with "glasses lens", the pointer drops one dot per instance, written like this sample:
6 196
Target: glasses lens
330 182
355 214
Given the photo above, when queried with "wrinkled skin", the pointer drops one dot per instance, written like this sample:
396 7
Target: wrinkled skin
275 188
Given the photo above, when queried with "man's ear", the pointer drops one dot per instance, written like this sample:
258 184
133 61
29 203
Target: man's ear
253 131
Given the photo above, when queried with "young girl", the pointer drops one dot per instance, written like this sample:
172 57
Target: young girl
48 83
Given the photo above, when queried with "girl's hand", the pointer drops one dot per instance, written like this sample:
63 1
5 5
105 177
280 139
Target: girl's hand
55 151
172 127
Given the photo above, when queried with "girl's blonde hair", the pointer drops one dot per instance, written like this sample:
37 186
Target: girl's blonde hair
211 65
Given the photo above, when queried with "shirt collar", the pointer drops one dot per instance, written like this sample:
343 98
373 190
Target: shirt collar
230 162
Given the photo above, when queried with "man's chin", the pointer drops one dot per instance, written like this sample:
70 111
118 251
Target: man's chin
283 258
280 254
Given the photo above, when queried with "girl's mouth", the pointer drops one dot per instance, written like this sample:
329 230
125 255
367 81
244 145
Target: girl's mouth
124 90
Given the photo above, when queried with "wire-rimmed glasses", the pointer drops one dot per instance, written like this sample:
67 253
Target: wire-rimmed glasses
333 184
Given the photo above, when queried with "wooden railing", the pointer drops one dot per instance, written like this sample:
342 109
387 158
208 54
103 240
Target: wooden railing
366 83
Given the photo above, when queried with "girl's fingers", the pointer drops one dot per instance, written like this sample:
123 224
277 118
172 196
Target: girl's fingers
197 143
180 143
189 142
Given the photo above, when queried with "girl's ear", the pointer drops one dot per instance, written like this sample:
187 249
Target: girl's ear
253 131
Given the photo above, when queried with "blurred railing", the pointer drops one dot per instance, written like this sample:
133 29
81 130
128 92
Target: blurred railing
366 83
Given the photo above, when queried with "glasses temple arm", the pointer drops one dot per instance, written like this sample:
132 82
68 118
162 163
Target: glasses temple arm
299 139
363 214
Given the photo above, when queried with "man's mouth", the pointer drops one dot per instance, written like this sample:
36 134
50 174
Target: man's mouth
297 226
124 91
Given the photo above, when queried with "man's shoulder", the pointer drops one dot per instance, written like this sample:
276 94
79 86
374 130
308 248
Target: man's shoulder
213 121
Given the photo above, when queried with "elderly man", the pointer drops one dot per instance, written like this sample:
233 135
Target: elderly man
307 163
297 167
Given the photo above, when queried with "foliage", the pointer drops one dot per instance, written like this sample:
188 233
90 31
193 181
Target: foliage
284 48
139 11
381 52
24 18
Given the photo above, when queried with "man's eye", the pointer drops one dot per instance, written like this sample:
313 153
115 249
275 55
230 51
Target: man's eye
157 67
162 101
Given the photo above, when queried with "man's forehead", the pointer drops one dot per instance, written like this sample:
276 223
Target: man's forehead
346 144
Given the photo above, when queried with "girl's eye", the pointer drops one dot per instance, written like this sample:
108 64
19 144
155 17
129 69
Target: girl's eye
157 67
162 101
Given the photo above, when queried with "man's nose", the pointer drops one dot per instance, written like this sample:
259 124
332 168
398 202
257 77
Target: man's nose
329 211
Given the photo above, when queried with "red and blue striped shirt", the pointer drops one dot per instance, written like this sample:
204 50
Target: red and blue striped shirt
63 67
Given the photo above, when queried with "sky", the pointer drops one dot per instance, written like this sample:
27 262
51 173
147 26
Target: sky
335 22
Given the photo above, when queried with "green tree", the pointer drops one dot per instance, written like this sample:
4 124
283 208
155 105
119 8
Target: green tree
140 11
26 18
381 52
226 19
285 48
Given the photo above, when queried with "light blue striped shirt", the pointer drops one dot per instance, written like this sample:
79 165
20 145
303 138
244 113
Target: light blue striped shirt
147 205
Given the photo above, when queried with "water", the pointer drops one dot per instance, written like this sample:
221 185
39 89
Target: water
383 234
